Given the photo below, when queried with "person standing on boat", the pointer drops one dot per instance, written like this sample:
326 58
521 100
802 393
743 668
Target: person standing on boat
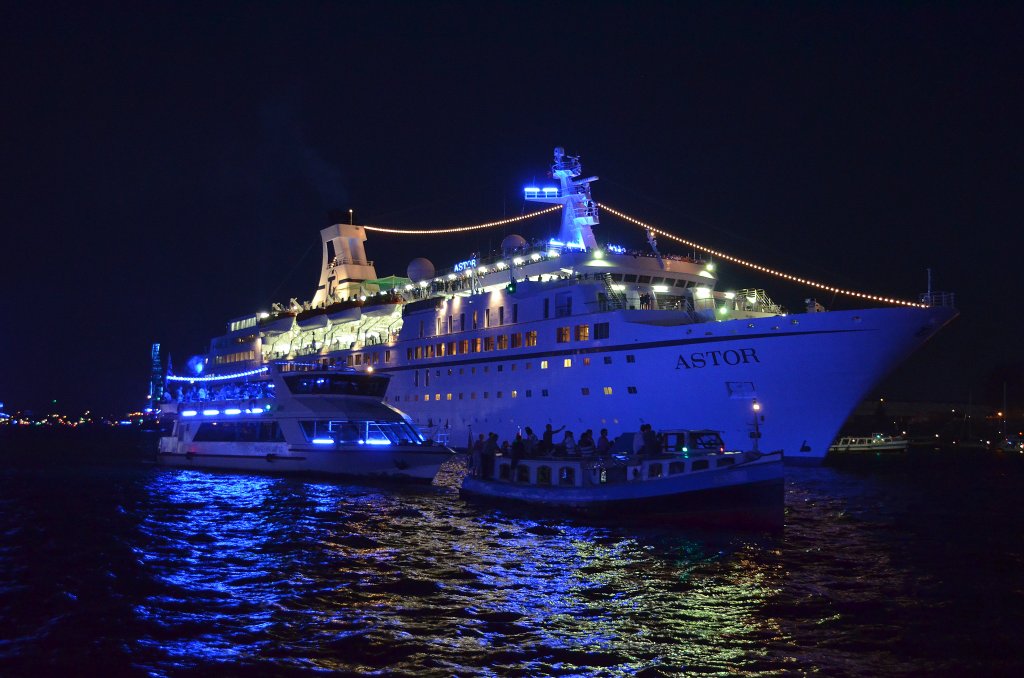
530 442
549 435
586 443
569 444
603 444
518 450
650 439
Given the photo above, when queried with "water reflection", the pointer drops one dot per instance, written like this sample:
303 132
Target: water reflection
284 572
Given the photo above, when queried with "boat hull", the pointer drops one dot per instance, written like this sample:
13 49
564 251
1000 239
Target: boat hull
748 496
408 464
807 373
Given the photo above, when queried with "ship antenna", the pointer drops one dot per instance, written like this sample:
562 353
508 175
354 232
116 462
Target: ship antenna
579 211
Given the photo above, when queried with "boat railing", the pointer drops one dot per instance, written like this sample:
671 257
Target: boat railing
945 299
341 261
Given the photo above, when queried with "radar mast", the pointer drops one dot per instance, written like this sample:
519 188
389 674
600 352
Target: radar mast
579 211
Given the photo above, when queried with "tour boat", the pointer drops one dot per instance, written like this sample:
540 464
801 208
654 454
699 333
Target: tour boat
692 478
295 420
878 443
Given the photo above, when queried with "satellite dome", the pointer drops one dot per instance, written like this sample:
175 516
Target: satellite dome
420 269
513 242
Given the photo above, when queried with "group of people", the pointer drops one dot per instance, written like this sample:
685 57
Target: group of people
528 445
248 391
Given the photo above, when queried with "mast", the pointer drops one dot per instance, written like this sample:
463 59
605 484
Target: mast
579 212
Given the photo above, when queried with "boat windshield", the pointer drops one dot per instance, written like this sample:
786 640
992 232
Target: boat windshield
361 432
337 384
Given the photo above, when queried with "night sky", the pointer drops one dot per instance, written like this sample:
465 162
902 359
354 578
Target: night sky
168 166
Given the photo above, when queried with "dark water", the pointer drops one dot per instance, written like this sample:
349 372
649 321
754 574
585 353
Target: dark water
112 567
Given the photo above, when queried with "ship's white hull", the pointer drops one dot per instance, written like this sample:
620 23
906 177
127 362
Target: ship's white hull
414 464
806 371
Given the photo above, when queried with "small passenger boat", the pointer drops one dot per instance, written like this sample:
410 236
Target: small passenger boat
310 421
693 479
879 443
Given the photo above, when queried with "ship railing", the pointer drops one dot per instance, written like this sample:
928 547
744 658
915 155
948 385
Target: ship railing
946 299
341 261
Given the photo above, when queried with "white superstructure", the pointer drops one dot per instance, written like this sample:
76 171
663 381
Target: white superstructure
576 333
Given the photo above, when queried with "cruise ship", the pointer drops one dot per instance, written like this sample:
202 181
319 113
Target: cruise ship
583 334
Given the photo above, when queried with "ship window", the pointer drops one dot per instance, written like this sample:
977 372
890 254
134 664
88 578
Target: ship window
600 330
419 352
502 342
429 351
567 476
487 317
472 395
631 389
337 384
517 340
607 360
504 471
501 315
547 308
544 393
529 393
475 319
476 345
727 461
680 283
567 362
617 277
607 390
451 347
426 397
460 396
522 474
586 362
426 377
488 343
486 393
543 475
585 391
462 323
543 364
699 465
654 471
448 396
515 313
421 329
441 350
629 277
531 338
501 368
562 335
464 346
415 377
515 394
498 394
630 358
582 332
676 467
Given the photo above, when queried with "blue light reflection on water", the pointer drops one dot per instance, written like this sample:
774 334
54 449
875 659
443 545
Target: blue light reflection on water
258 569
152 571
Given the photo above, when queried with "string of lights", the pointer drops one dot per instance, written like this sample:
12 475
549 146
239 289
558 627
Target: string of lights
221 377
665 234
758 267
463 229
